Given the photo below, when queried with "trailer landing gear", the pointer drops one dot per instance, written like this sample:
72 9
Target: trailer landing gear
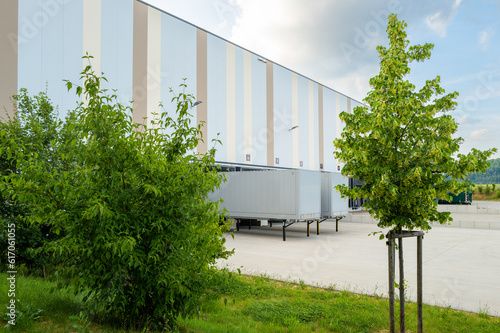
287 223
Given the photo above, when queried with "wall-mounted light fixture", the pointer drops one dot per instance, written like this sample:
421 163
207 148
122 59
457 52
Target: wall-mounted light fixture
196 103
263 60
294 127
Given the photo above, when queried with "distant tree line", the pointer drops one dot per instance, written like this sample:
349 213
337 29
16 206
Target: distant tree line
492 174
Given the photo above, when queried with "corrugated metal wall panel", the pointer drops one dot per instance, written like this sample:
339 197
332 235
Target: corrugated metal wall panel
117 47
329 128
178 62
239 111
216 97
283 143
259 115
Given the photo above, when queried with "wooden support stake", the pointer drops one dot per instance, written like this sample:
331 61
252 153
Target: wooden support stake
419 284
317 227
401 287
390 248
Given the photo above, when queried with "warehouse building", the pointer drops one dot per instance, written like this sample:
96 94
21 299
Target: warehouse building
266 116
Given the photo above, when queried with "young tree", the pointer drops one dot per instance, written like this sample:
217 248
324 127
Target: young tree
141 237
402 147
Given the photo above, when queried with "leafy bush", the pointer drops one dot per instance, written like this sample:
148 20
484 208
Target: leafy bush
487 189
479 188
36 125
493 187
141 240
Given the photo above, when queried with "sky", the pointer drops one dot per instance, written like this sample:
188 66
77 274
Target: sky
334 42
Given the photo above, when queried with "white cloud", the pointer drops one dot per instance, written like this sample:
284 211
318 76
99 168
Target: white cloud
440 20
480 134
484 38
331 41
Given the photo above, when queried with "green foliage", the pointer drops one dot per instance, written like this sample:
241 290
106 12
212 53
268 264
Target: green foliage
479 189
140 238
491 175
25 316
487 189
36 126
80 322
401 147
493 187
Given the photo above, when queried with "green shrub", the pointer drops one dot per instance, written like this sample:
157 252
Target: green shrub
141 239
36 125
487 189
479 188
493 187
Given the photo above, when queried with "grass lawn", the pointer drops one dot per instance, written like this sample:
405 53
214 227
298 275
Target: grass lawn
246 304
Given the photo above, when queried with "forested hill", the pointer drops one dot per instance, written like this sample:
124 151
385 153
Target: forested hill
492 174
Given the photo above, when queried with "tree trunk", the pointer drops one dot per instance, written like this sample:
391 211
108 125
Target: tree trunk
392 236
390 247
419 284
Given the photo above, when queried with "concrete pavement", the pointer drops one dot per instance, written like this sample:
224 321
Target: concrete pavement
479 215
461 266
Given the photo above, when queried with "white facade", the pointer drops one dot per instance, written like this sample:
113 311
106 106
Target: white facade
249 103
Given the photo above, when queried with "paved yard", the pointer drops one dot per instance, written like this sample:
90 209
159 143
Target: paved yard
461 266
487 204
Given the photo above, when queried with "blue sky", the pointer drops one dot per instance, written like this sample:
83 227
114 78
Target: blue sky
333 42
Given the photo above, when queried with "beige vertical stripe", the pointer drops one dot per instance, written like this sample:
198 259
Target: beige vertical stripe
295 121
312 165
338 123
92 33
349 110
8 57
321 128
231 102
201 88
247 104
154 65
270 112
140 62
